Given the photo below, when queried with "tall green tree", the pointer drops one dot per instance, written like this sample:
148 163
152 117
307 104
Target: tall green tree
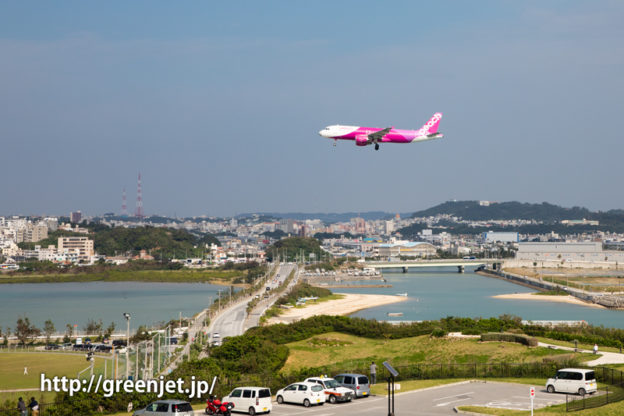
48 329
93 327
25 331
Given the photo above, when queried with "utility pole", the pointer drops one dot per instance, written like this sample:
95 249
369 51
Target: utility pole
127 316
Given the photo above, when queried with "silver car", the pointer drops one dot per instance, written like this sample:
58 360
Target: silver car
356 382
166 408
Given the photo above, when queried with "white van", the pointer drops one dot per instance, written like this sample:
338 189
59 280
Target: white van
250 400
573 380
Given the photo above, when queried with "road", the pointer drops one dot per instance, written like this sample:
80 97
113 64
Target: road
435 401
253 319
233 320
603 359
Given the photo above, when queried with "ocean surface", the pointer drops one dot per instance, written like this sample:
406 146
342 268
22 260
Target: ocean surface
432 294
76 303
438 293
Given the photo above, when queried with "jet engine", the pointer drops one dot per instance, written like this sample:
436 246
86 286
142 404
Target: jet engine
361 140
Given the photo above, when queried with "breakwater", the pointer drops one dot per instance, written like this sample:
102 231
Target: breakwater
607 300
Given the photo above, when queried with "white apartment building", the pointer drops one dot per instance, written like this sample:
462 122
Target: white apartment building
81 245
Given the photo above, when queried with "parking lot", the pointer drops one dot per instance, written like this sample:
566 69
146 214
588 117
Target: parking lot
434 401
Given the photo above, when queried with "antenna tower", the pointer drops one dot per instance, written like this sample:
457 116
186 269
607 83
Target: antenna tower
124 206
139 201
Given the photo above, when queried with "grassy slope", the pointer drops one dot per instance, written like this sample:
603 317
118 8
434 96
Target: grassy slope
357 350
12 367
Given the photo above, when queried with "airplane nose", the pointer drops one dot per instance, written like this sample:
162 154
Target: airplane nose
322 133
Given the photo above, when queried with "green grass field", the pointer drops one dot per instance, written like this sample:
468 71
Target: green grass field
354 351
51 364
188 276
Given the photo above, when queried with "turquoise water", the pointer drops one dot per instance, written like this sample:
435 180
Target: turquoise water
431 295
76 303
440 293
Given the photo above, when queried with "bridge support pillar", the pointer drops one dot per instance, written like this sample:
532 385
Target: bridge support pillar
404 269
460 269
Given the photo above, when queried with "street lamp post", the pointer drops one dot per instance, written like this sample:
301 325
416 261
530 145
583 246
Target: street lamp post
127 316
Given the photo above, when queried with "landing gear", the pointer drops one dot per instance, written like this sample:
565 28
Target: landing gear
335 143
376 146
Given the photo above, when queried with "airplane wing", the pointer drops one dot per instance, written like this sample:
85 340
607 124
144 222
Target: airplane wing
378 135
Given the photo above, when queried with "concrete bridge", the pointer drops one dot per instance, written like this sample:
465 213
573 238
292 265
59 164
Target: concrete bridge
461 264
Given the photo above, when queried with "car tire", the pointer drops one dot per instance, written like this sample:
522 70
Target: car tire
332 399
582 392
280 400
550 388
252 411
306 403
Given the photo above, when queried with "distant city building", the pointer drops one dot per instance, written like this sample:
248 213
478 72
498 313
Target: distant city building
389 227
82 246
580 222
287 225
567 252
31 233
500 236
359 225
407 249
75 217
52 223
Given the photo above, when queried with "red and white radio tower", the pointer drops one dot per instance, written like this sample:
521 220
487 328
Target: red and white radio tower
139 202
124 206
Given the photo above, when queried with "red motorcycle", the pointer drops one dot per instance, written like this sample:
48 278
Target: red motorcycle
215 407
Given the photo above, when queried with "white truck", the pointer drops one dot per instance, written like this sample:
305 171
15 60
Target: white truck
333 391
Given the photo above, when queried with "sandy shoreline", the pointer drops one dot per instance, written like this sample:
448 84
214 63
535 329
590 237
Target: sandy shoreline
348 304
549 298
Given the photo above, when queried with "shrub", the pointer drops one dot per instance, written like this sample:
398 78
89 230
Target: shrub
507 337
438 333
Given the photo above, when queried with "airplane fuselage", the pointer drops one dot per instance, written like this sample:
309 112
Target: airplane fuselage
364 136
354 132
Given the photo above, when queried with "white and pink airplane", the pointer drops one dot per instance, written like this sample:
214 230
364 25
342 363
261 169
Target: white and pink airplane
364 136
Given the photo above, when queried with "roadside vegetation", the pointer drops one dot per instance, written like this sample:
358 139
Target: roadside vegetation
277 355
136 271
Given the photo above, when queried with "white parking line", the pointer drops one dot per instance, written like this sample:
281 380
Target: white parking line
452 401
454 395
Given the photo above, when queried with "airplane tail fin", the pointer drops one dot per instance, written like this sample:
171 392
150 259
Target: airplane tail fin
431 126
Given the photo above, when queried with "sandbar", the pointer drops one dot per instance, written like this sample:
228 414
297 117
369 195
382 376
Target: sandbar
350 303
549 298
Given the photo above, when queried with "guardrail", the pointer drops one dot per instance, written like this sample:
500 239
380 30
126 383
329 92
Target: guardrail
611 393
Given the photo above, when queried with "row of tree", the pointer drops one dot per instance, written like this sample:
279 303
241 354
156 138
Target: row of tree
27 332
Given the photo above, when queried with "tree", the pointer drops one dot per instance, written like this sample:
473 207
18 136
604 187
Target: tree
109 330
48 330
141 335
69 330
25 331
93 327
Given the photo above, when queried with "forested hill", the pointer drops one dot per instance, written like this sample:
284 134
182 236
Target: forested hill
472 210
167 242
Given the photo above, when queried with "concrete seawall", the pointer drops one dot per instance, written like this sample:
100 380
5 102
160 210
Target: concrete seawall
606 300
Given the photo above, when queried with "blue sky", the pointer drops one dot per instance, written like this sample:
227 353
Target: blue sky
218 104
